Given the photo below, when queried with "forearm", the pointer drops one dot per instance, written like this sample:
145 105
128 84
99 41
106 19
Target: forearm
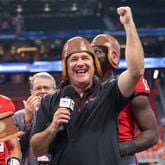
146 140
142 142
127 148
13 146
141 110
40 141
16 153
28 117
134 51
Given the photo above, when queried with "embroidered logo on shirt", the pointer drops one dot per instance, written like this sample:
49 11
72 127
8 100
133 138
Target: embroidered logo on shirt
90 100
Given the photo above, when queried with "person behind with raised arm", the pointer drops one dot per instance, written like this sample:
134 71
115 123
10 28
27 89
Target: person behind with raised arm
90 134
41 84
107 49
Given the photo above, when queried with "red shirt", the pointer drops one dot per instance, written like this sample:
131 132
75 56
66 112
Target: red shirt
126 123
6 105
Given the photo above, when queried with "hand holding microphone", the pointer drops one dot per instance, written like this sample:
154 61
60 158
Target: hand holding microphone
61 118
66 106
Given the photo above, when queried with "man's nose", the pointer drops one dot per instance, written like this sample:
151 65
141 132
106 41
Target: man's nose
80 63
43 90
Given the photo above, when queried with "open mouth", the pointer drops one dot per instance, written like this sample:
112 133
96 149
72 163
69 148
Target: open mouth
81 71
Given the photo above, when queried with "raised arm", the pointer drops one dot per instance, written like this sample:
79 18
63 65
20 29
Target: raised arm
134 53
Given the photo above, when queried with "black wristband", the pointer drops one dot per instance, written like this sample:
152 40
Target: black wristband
127 148
13 161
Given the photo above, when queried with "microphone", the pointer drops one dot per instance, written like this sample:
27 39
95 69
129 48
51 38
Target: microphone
66 101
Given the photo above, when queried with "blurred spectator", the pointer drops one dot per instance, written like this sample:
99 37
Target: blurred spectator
19 23
40 85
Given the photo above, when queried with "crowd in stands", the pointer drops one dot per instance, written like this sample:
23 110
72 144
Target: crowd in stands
12 24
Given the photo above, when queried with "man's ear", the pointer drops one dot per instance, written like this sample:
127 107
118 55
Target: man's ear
114 58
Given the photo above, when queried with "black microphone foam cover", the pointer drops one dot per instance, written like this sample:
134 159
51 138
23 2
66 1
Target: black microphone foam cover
69 91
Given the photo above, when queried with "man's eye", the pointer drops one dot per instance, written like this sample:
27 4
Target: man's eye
73 59
98 51
85 58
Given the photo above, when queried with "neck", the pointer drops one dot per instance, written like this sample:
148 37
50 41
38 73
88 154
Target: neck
107 75
80 88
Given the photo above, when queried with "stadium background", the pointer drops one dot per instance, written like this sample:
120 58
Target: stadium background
32 33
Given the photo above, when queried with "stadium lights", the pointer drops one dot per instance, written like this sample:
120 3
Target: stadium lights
155 74
46 7
19 9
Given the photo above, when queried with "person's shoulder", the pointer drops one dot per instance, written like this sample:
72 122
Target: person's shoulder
110 82
52 95
19 116
20 111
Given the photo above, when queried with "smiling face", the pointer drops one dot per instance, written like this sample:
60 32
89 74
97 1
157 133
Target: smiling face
78 45
101 53
113 48
42 86
80 69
